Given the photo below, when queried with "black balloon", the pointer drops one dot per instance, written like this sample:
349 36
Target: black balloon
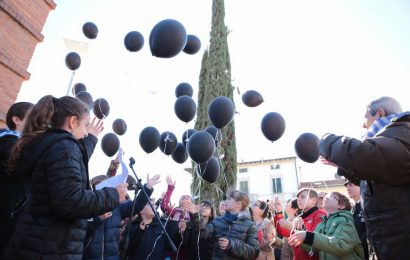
221 111
119 126
134 41
101 108
168 143
110 144
167 38
193 44
180 154
184 89
185 108
273 126
73 61
307 147
186 135
78 87
209 170
201 146
90 30
149 139
86 98
252 98
215 132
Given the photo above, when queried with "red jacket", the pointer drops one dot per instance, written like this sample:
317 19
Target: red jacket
311 219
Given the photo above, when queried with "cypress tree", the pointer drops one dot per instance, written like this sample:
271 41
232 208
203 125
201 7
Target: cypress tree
214 81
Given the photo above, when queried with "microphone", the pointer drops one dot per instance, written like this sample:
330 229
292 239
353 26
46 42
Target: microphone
132 161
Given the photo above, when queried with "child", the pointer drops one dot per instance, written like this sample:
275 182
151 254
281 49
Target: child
103 242
266 230
311 216
52 155
12 190
234 235
335 237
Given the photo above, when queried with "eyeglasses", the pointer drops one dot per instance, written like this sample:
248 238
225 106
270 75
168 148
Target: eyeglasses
205 206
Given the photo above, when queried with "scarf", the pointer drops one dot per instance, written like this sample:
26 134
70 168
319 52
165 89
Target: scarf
378 125
4 132
230 218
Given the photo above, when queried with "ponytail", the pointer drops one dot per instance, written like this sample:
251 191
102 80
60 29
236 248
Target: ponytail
49 112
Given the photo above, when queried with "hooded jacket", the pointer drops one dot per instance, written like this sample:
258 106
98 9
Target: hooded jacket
336 238
53 222
382 163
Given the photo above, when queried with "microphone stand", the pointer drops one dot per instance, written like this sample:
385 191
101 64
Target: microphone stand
140 186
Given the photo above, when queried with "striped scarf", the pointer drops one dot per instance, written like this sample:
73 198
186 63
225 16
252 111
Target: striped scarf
378 125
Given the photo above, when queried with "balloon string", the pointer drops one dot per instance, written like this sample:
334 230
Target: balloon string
186 138
156 240
327 188
70 83
197 175
99 106
166 139
199 219
218 189
301 213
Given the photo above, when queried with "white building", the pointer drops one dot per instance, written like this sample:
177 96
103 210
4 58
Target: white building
266 179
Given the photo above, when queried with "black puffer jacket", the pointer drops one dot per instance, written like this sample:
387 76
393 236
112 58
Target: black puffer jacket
53 224
12 190
382 164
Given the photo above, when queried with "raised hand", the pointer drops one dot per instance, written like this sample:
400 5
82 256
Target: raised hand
169 181
122 191
151 182
286 224
326 162
189 206
95 127
298 223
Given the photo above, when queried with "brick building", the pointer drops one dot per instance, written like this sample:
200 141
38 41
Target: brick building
21 25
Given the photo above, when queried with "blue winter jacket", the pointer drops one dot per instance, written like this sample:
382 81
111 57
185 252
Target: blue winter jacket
105 237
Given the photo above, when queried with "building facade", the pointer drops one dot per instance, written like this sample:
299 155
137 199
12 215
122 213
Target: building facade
266 179
21 24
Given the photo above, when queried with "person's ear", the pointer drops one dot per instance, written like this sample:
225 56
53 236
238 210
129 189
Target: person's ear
238 204
381 111
72 122
17 121
341 206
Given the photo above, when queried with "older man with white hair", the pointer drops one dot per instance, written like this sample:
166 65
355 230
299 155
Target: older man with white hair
381 161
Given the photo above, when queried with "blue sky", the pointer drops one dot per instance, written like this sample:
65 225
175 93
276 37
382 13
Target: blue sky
318 63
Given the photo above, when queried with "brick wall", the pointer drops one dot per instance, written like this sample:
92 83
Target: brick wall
21 24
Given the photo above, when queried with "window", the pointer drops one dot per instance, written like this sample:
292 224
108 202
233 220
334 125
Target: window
243 186
275 167
242 170
277 185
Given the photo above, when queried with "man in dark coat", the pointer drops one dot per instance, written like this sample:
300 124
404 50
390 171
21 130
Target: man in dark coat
382 164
